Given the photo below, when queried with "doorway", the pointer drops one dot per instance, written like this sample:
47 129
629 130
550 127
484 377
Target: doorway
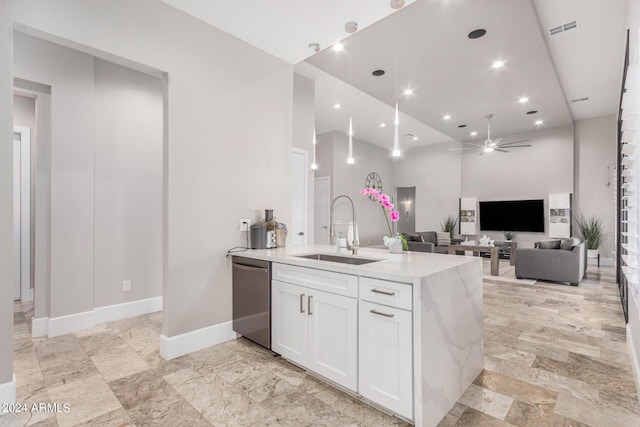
322 196
300 167
22 213
407 208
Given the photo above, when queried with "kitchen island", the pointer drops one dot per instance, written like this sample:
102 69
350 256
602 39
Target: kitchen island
404 331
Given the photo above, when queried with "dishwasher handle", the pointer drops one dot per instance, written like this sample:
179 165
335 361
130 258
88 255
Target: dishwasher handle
250 268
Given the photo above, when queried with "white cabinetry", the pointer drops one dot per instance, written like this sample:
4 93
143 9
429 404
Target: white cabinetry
363 345
385 342
314 328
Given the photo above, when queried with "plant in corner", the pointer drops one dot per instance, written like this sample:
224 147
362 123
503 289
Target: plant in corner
509 235
590 229
449 225
385 202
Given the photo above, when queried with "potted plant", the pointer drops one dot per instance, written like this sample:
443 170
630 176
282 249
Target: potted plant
449 224
590 229
509 235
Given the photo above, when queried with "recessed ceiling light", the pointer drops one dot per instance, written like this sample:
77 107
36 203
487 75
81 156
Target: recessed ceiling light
539 122
415 138
462 126
446 117
408 92
498 64
337 106
397 4
351 27
523 100
383 125
337 47
476 34
378 72
532 112
474 133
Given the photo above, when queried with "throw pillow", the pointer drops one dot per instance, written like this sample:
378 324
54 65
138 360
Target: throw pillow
428 237
444 238
569 244
413 237
549 244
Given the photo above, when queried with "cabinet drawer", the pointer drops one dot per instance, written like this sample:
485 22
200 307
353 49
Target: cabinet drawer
393 294
328 281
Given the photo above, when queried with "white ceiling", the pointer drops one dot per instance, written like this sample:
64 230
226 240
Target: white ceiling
589 59
449 73
367 113
284 28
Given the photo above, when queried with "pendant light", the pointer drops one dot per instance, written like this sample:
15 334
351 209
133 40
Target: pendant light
314 165
396 122
350 152
350 159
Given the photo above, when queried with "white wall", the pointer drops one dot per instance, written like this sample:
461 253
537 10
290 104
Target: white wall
226 99
435 172
6 199
523 173
24 111
70 73
128 184
595 149
302 138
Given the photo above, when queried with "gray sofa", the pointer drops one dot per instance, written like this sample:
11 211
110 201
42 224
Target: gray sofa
557 265
427 241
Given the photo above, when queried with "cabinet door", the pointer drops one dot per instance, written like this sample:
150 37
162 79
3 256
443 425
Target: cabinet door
385 361
333 337
289 321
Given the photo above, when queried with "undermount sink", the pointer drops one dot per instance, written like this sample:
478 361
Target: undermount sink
338 258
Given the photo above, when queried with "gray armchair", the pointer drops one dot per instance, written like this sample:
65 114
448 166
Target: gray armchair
557 265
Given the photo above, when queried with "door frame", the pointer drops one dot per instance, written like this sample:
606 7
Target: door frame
25 150
305 219
315 220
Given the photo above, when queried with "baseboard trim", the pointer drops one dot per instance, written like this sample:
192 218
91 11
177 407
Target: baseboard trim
635 362
39 327
179 345
8 392
109 313
63 325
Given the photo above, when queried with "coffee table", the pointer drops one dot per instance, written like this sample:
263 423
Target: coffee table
477 250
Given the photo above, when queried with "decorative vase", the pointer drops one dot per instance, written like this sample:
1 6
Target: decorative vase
592 253
393 243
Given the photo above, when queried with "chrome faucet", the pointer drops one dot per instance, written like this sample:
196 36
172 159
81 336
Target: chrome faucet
355 244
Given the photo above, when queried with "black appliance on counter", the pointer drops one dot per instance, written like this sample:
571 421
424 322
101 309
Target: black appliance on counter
252 300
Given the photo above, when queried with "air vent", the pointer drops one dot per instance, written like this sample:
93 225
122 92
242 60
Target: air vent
554 31
580 99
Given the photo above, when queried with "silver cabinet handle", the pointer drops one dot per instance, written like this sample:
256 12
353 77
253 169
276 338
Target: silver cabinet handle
383 292
249 268
301 234
381 314
309 303
301 303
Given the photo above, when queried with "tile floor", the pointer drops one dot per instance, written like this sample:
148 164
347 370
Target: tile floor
554 356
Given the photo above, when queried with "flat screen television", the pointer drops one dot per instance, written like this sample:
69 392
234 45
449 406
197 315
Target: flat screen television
512 215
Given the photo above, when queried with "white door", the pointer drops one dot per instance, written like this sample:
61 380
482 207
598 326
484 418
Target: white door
322 200
333 337
385 368
289 321
300 172
22 212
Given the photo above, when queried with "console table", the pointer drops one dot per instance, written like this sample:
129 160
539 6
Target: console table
477 250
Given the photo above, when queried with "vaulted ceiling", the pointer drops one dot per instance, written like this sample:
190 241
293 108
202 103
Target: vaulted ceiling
425 47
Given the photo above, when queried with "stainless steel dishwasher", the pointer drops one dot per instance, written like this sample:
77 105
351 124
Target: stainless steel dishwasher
252 299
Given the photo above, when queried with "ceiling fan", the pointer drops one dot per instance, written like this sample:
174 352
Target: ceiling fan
490 145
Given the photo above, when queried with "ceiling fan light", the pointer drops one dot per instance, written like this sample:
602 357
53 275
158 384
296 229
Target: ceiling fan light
488 149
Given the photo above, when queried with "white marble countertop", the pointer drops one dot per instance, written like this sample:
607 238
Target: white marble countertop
405 267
